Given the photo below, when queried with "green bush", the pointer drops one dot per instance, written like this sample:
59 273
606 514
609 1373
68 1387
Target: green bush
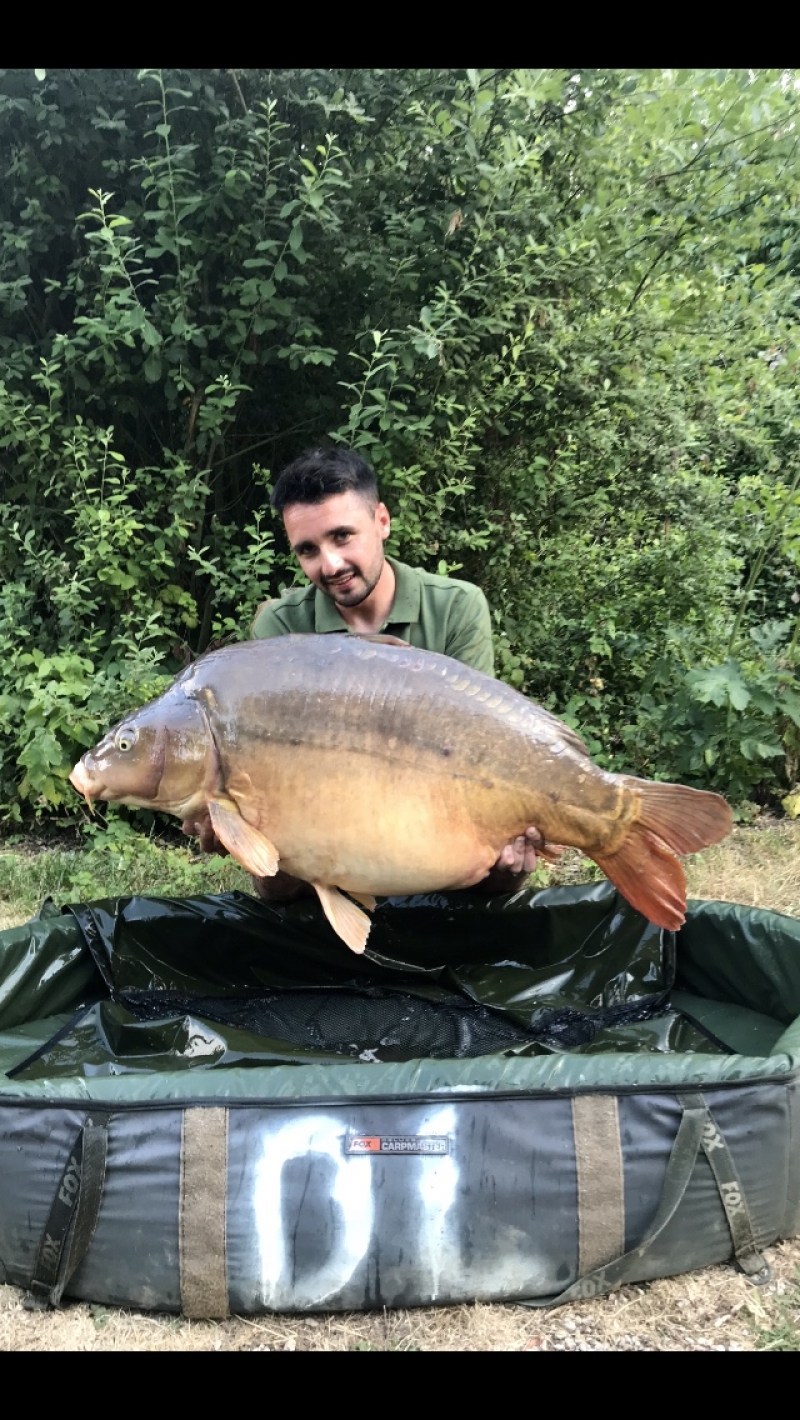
557 311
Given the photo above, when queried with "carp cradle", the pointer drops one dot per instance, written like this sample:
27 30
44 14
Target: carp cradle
209 1105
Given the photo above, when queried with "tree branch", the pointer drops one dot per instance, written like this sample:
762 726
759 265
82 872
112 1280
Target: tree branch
237 87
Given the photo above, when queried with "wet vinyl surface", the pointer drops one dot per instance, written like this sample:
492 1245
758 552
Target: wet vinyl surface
175 984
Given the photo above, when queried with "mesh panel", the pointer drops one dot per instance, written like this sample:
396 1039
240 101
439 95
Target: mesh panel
375 1024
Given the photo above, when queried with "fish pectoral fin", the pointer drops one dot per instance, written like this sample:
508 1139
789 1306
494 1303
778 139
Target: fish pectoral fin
246 844
347 920
365 898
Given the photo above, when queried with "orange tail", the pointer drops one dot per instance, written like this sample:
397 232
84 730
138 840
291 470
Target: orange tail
686 819
673 819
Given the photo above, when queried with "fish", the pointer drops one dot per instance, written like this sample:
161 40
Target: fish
370 769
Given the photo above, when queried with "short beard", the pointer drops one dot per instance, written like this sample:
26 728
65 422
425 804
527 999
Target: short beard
355 598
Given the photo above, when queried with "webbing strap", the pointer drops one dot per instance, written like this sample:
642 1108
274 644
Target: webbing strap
203 1200
72 1220
601 1182
697 1130
732 1194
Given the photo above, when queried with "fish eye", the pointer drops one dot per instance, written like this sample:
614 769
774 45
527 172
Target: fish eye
126 738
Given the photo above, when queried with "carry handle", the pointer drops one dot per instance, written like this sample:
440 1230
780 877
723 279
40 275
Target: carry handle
697 1130
72 1220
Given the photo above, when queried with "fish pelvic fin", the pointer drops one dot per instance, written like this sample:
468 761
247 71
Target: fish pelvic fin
347 920
649 876
365 898
248 845
686 820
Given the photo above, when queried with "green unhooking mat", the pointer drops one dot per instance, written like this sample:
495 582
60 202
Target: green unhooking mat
210 1105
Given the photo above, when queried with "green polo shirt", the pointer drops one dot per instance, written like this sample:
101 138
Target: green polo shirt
434 613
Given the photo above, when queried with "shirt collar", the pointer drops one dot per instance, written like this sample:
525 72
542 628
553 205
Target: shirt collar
405 608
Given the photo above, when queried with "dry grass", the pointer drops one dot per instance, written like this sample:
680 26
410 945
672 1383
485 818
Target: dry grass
713 1310
758 866
716 1309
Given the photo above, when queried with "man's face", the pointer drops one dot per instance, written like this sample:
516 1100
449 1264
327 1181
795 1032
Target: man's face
339 544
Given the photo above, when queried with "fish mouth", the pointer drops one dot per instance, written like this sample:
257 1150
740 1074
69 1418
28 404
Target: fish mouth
80 780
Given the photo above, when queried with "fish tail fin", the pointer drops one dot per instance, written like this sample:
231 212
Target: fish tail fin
649 876
686 820
672 820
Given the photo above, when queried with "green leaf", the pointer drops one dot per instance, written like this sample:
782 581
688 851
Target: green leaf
769 749
739 695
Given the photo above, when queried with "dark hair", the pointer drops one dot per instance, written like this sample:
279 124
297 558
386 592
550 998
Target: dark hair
320 473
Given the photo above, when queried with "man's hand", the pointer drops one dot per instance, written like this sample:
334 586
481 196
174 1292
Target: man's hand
517 861
519 856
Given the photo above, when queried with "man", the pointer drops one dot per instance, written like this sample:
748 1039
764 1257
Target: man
337 527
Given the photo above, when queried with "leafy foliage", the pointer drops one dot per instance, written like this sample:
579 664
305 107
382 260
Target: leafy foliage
558 312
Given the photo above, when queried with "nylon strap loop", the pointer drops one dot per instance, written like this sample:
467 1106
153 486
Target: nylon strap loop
73 1215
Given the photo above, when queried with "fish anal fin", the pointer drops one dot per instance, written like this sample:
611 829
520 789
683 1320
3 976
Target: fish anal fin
248 845
649 876
347 920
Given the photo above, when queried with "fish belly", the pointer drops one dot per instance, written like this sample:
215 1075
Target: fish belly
375 826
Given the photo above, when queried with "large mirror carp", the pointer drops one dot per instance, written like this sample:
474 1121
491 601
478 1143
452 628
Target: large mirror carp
370 768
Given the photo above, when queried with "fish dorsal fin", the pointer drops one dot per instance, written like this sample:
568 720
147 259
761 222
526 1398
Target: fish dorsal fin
347 920
381 639
570 736
246 844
